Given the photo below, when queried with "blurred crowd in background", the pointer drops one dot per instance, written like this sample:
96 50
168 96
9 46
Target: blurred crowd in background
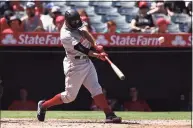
99 17
134 103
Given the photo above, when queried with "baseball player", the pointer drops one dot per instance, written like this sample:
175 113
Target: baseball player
78 68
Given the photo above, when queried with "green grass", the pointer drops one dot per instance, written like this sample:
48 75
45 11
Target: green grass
99 115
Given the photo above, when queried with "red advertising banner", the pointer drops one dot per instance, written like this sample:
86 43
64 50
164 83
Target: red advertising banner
31 39
144 40
107 40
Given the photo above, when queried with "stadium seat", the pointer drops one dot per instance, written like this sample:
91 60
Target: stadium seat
64 9
116 4
125 29
185 27
95 19
122 25
159 15
90 11
129 18
20 14
120 20
183 20
101 28
110 16
104 4
71 3
128 10
127 3
105 10
93 3
60 4
82 4
115 18
180 18
96 24
173 28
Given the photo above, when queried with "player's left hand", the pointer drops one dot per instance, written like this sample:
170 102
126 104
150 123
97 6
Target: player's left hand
99 48
102 55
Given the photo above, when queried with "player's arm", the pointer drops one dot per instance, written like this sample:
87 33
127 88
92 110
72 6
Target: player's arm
88 36
92 40
79 47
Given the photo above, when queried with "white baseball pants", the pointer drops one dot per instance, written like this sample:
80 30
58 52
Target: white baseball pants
78 72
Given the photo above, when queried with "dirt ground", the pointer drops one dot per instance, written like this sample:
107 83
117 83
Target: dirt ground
60 123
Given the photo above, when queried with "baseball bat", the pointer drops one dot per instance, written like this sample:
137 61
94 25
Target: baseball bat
116 69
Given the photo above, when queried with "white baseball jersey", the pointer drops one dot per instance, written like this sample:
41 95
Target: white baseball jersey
70 38
77 71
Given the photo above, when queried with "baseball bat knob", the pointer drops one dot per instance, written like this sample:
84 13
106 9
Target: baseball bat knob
122 78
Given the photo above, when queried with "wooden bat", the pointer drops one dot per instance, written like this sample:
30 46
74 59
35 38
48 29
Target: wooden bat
116 69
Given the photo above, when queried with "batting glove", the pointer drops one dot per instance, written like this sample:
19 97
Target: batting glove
99 48
102 55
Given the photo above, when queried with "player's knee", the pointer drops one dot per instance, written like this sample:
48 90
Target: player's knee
67 98
71 98
96 91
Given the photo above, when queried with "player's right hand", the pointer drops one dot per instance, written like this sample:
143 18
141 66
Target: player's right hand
102 55
99 48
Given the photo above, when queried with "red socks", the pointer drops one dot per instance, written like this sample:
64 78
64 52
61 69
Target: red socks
56 100
101 101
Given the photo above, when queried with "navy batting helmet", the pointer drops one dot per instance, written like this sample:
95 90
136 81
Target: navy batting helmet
72 17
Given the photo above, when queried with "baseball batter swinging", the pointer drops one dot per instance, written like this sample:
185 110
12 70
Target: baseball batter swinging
78 68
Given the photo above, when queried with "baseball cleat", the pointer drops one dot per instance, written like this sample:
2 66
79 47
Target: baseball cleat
40 111
112 118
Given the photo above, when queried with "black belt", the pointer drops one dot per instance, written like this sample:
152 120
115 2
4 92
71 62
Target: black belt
81 57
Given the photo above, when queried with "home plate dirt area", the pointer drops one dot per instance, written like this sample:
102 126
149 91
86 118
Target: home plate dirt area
75 123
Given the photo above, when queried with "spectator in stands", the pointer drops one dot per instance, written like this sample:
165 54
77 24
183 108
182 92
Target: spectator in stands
38 7
162 26
59 23
135 103
3 20
183 103
31 22
46 18
173 7
189 7
23 103
179 6
47 8
142 22
49 20
4 6
112 28
16 6
159 8
15 25
112 103
55 11
84 17
169 7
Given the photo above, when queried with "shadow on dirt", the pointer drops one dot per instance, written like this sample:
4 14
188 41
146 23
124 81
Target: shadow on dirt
8 121
100 122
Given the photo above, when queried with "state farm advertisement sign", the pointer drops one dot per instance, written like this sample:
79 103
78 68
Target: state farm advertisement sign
144 40
31 39
107 40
